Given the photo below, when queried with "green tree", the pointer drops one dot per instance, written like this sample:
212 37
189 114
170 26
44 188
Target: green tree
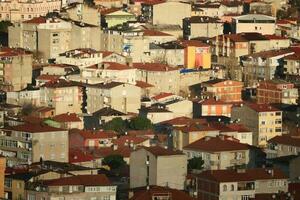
4 26
116 124
114 161
140 123
195 163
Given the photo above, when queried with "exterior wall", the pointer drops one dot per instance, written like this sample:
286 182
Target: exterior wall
24 97
174 57
170 80
263 28
23 10
50 146
231 190
124 98
165 165
85 37
179 11
63 99
220 160
16 72
112 42
2 175
292 66
118 17
85 14
271 186
156 117
163 170
205 30
216 110
198 57
181 108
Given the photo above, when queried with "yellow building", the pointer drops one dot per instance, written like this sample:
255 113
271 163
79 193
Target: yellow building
2 174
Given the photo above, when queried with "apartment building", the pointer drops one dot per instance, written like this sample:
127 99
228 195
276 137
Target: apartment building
212 107
262 65
27 143
114 16
240 184
2 175
83 12
157 166
65 121
24 97
224 90
81 57
292 64
284 145
15 68
263 120
163 77
123 97
49 37
184 135
96 186
132 41
276 91
155 12
220 152
62 95
23 10
254 23
201 26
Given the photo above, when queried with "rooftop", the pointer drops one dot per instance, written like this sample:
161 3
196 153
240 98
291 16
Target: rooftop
66 117
286 140
217 144
85 180
160 151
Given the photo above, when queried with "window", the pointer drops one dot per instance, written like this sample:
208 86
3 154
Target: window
224 188
232 187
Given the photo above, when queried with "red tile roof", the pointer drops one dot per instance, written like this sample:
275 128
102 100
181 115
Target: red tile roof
247 175
162 95
11 52
160 151
107 151
88 134
137 133
35 128
275 37
181 121
107 11
286 140
212 101
158 191
262 107
121 141
143 84
116 66
46 77
151 2
85 180
194 43
216 144
78 156
149 32
154 67
233 127
36 20
67 117
194 127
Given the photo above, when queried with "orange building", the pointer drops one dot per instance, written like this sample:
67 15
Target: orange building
225 90
197 54
2 175
212 107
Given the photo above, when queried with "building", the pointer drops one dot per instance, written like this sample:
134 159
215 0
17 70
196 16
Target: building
224 90
59 35
184 135
2 175
92 139
262 65
123 97
201 26
254 23
157 166
155 12
82 57
65 121
158 192
115 16
283 145
263 120
16 68
240 184
292 64
83 12
276 91
23 10
156 74
221 152
82 187
62 95
212 107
